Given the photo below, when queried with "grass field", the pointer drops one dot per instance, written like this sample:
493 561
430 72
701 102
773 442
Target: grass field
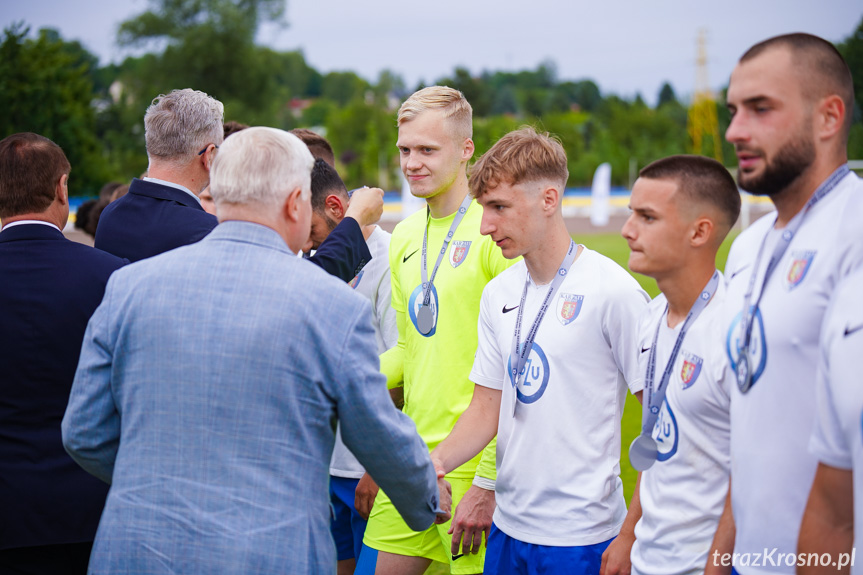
614 247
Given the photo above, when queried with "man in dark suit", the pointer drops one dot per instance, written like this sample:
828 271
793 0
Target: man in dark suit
183 131
49 507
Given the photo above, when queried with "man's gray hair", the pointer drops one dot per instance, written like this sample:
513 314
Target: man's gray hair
179 125
261 166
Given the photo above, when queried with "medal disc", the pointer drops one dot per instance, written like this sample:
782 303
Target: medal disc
425 320
744 377
642 452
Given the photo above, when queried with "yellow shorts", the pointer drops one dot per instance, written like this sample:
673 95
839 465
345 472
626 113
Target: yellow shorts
387 531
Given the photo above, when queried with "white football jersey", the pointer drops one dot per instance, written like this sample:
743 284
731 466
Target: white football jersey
683 493
837 439
373 281
771 467
558 458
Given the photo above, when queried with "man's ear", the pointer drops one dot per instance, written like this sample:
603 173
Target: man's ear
208 157
334 205
61 191
467 149
831 116
291 207
551 198
702 231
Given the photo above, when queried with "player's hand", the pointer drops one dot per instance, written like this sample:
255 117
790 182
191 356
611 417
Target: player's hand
472 519
615 560
367 205
364 497
445 494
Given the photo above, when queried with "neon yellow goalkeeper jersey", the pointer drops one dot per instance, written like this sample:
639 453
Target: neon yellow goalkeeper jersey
435 367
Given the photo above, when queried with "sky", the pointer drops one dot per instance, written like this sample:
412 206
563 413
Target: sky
625 46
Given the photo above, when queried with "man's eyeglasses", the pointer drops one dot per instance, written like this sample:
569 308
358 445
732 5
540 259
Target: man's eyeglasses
205 148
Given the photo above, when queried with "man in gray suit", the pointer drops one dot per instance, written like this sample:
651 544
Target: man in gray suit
210 383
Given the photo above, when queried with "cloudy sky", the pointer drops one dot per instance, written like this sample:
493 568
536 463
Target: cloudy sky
626 46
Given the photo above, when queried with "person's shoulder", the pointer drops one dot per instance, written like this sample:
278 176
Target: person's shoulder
848 204
608 271
512 278
94 256
754 234
379 242
409 227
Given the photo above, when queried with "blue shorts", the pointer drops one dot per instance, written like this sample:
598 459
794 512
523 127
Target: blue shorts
347 526
506 556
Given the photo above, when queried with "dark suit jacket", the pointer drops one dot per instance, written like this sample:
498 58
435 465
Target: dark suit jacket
49 289
152 219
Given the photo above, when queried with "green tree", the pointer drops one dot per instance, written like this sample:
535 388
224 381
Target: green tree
46 87
343 87
852 50
209 45
666 95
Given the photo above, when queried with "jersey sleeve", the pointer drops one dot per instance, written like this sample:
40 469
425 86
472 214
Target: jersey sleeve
624 309
487 372
487 364
828 442
385 315
393 360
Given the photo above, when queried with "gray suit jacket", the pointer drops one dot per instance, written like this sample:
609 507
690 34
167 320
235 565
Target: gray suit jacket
210 381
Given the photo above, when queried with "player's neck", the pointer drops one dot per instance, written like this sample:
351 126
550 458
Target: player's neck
446 203
544 261
684 287
792 199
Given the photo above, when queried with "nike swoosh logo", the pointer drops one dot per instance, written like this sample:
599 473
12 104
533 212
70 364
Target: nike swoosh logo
643 349
736 272
407 257
508 309
850 330
454 557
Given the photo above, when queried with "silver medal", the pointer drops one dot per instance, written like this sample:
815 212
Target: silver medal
425 320
744 376
643 452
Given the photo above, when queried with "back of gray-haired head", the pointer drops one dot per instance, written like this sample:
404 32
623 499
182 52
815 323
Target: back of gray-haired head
261 166
180 124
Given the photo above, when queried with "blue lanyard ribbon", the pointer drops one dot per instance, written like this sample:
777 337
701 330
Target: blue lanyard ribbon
744 377
427 284
656 393
519 353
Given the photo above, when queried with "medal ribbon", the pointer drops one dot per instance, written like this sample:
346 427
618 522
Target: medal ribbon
656 394
519 354
459 216
779 250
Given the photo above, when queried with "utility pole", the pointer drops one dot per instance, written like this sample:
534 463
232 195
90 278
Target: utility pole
702 120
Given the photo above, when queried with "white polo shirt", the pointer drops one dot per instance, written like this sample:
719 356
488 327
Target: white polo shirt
558 459
683 493
771 467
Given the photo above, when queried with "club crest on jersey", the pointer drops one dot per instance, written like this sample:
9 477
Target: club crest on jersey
356 281
757 345
800 264
665 433
534 376
568 307
691 369
458 253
